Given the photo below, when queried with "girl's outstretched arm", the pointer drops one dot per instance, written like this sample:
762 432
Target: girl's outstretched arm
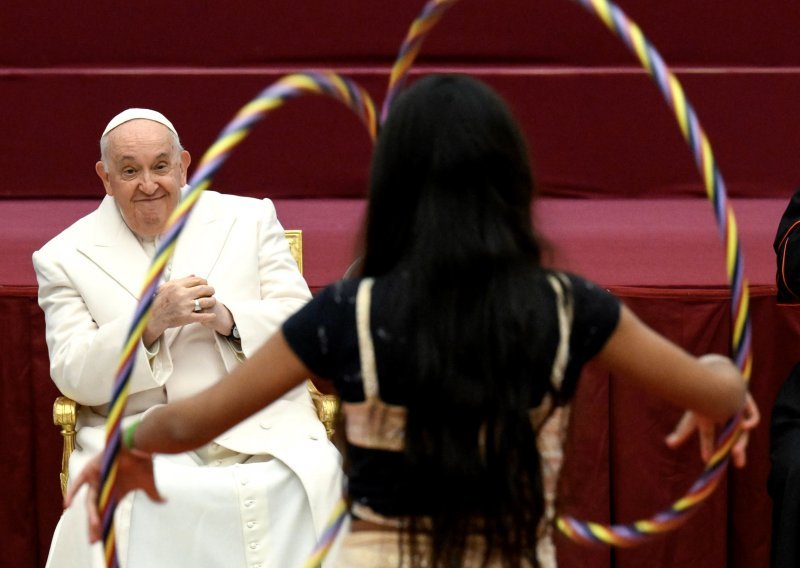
710 387
180 426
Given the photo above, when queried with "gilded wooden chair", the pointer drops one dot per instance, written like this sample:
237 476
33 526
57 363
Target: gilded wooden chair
65 410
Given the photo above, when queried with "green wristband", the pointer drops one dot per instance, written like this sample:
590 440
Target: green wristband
127 435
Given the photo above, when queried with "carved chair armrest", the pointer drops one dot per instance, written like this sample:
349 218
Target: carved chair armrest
327 406
65 415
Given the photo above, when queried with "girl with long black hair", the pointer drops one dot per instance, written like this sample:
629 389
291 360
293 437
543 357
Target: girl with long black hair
448 351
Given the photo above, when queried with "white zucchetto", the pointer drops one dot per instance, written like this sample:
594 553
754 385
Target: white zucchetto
135 113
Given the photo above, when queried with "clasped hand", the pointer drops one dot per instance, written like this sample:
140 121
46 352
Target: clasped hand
174 306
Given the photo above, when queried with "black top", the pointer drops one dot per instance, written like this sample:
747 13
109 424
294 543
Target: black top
323 335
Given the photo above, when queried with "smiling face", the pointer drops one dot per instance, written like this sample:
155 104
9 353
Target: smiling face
146 170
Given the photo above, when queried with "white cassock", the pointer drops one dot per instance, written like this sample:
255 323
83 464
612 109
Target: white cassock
259 495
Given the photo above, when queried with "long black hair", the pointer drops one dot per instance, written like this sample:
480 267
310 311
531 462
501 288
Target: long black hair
450 208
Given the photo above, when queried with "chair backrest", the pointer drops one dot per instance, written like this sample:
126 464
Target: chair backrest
295 239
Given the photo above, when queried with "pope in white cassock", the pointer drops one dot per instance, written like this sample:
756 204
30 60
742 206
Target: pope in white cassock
259 495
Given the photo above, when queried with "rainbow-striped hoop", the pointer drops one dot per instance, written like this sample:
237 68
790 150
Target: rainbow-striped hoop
359 101
288 87
624 28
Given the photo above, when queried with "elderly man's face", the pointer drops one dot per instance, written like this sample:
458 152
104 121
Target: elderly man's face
145 174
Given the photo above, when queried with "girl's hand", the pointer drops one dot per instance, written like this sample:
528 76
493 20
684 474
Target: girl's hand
134 471
706 430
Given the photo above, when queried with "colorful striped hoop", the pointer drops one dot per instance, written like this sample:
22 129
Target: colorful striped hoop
288 87
624 28
358 100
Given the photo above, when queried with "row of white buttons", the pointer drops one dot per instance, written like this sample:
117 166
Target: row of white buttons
252 526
